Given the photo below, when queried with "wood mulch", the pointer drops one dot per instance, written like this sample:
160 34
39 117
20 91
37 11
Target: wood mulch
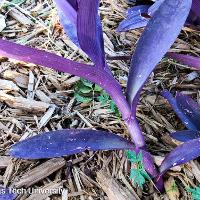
34 99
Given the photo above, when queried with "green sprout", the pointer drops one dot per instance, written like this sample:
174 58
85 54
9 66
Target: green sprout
195 192
84 93
138 174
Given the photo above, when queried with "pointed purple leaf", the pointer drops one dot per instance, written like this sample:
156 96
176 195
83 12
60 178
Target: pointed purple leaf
67 142
181 154
46 59
138 16
90 32
160 33
6 193
135 18
185 135
68 17
186 59
190 108
184 118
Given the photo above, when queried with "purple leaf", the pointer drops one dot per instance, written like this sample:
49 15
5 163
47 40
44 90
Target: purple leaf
195 7
160 33
67 142
6 193
40 57
185 135
68 17
186 59
190 108
135 18
90 32
138 16
181 114
181 154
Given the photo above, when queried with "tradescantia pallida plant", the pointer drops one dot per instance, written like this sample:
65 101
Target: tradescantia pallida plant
82 24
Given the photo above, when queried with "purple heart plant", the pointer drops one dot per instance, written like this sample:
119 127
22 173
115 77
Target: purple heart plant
82 24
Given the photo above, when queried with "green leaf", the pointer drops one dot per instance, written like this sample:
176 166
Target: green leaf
85 89
97 88
137 177
87 83
195 192
104 98
139 157
82 99
145 175
131 155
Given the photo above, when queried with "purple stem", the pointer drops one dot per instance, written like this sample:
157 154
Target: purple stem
135 132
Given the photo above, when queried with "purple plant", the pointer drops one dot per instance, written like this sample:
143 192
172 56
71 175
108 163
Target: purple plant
82 24
189 113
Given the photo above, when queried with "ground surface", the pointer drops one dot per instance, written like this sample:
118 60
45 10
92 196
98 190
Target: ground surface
84 176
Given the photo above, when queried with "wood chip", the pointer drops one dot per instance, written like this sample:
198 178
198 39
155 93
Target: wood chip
23 104
20 79
4 161
2 22
8 85
45 119
195 168
42 96
30 85
171 189
20 17
40 172
112 188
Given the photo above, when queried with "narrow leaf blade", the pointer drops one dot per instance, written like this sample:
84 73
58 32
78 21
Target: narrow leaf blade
186 59
159 35
134 18
138 16
187 121
185 135
46 59
181 154
67 142
68 17
190 108
90 32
